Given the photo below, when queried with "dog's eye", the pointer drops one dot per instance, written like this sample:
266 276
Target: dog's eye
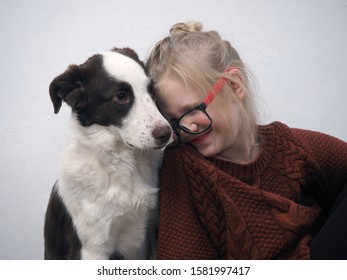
121 97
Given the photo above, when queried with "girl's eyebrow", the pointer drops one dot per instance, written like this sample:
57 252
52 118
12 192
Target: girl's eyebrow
187 107
183 109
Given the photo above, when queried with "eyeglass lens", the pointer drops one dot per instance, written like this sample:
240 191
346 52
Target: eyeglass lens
195 121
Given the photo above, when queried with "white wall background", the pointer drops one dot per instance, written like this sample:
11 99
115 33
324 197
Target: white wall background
297 49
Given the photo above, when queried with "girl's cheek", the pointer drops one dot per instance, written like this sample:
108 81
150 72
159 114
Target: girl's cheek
220 118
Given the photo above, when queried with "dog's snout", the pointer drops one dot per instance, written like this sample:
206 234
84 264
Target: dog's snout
162 133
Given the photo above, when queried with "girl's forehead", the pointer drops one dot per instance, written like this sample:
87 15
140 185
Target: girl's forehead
174 97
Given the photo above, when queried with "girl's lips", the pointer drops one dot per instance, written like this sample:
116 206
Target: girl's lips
200 139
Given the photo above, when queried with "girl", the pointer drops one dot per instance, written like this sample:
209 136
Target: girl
230 188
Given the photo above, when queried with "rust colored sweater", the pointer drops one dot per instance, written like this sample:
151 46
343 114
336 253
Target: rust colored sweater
268 209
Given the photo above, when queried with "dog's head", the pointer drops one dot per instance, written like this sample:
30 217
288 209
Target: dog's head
112 90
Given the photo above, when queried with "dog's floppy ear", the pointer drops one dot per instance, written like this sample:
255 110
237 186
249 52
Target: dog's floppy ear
68 87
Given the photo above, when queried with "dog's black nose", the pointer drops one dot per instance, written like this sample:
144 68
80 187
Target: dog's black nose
162 133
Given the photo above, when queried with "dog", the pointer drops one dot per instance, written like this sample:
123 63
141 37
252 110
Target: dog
104 203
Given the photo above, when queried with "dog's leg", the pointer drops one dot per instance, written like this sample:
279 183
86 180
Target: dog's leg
92 254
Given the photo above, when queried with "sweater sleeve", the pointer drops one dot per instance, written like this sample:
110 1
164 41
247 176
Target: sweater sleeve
330 155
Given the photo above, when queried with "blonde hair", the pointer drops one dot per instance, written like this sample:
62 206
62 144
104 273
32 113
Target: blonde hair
199 58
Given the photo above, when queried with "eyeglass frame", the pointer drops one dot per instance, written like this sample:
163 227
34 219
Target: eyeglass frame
216 88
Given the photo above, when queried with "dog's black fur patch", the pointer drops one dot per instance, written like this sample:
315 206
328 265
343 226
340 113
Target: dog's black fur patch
61 240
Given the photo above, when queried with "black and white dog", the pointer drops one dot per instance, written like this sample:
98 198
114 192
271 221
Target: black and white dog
107 190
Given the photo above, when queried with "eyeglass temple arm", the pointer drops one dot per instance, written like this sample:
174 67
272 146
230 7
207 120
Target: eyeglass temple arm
217 87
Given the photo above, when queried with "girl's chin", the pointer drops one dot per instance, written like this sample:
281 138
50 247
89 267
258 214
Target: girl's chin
205 145
207 151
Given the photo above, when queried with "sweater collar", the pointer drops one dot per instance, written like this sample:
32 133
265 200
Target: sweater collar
253 169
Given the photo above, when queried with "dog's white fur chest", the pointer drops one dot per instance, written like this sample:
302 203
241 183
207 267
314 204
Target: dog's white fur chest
108 191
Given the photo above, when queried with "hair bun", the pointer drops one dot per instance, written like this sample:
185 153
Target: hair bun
181 27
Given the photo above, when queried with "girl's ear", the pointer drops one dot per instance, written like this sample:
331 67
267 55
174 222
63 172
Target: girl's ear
237 85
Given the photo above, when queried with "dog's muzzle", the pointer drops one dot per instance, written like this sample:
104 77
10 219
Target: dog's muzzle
162 134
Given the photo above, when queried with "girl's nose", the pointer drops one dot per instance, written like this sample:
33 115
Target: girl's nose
193 127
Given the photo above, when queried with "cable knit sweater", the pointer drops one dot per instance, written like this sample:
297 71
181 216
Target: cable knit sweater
268 209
